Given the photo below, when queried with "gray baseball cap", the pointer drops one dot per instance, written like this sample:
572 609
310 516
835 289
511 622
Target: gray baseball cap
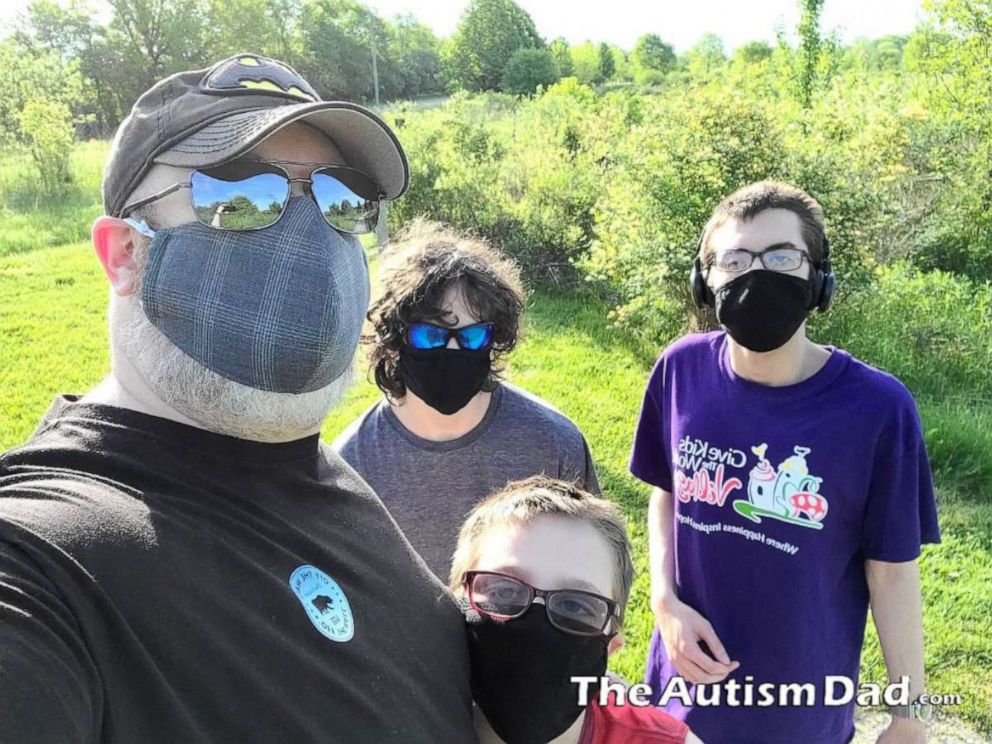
205 117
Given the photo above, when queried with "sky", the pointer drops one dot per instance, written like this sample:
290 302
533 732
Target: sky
680 23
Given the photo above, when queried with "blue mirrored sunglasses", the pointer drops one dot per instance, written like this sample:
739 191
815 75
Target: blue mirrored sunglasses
430 336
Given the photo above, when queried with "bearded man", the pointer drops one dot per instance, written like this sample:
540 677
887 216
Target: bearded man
181 558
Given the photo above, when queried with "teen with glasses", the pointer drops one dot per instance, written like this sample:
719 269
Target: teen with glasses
543 571
791 489
448 430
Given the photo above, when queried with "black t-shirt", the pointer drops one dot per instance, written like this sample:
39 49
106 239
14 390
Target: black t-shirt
161 583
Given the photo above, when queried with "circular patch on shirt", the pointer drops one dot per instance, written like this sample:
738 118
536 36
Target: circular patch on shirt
324 602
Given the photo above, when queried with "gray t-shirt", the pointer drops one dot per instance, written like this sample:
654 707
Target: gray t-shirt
429 487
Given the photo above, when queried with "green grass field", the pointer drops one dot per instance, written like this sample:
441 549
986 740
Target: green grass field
53 339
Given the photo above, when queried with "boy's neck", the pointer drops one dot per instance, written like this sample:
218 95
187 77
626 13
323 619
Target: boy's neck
797 360
428 423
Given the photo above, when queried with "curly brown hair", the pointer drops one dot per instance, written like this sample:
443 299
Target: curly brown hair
416 271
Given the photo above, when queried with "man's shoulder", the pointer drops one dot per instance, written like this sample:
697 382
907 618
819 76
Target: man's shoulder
529 410
68 507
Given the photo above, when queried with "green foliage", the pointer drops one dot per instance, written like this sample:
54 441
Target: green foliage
339 38
651 53
951 55
753 52
46 127
585 60
932 330
488 34
27 74
529 69
563 57
668 174
706 58
607 65
809 48
523 173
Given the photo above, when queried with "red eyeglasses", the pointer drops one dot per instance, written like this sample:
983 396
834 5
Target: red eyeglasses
503 597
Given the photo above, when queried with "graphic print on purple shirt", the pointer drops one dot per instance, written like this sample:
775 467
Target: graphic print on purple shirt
780 494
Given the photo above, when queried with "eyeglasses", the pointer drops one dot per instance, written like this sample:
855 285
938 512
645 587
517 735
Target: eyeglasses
503 597
773 259
429 336
248 194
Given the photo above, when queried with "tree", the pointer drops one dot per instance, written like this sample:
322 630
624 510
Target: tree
585 60
753 52
529 68
46 127
415 52
263 26
607 65
488 34
563 57
809 48
651 53
49 27
338 39
27 75
705 57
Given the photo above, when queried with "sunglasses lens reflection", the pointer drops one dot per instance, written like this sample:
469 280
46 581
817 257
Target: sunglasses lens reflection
343 207
476 337
427 336
245 204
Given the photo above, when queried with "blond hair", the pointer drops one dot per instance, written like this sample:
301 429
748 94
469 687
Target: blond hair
520 502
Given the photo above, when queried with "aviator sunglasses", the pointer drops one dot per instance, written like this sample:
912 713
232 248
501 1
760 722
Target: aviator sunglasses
429 336
249 194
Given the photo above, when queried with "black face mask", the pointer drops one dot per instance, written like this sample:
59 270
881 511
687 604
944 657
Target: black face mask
522 670
761 310
445 379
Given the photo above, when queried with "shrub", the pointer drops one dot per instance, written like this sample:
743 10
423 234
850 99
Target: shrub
46 127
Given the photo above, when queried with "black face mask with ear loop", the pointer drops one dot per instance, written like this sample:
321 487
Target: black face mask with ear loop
522 670
445 379
761 310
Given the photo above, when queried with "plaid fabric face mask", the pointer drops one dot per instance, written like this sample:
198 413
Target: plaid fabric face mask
277 309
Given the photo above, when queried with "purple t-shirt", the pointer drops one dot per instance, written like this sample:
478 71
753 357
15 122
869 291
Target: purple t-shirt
780 495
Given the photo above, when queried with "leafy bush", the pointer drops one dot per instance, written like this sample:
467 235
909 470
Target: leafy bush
933 330
46 127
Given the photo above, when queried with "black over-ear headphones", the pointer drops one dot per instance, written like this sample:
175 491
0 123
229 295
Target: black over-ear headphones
822 281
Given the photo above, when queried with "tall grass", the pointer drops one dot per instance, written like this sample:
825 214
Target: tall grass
31 219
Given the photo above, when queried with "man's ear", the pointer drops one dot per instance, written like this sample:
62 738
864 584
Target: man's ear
616 642
114 242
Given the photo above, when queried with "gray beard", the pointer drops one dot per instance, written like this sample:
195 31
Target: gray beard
212 401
